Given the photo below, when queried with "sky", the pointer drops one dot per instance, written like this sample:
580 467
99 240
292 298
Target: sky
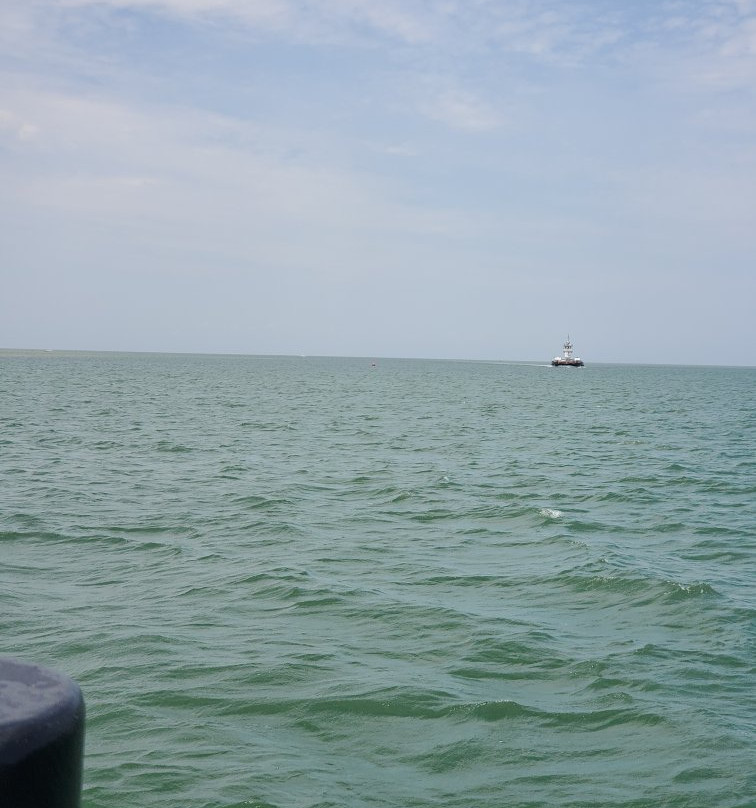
464 179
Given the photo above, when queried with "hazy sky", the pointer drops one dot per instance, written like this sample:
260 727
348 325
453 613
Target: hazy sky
432 178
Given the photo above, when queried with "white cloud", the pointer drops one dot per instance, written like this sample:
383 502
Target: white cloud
308 19
555 34
16 127
743 41
185 177
245 9
396 19
542 29
713 45
395 149
462 110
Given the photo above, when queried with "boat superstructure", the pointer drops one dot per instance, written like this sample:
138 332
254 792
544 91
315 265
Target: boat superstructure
567 359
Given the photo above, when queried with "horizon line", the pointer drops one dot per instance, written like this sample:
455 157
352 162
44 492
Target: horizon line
536 361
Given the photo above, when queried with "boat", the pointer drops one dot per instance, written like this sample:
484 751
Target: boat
567 359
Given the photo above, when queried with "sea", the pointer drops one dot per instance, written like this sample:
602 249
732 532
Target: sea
309 582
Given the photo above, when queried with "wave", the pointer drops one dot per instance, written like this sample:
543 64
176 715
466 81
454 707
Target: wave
173 448
424 705
637 587
260 501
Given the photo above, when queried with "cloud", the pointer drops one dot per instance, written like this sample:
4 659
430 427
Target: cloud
734 61
181 177
16 127
303 19
704 46
398 20
245 9
539 29
462 110
554 35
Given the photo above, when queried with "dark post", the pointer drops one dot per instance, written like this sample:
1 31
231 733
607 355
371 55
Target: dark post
41 737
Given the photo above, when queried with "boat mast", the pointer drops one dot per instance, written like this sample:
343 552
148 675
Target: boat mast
568 349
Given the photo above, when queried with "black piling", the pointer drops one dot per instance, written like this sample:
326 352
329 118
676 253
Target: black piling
41 737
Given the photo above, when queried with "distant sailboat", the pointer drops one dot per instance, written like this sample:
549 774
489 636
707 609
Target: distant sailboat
567 359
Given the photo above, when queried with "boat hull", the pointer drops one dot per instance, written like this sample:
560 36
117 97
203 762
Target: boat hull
567 363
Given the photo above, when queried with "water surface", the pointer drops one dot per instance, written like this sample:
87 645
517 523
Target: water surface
295 582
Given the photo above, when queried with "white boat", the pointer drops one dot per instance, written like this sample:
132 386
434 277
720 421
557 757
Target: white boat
567 359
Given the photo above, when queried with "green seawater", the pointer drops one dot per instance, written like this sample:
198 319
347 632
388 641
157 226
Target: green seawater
298 582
